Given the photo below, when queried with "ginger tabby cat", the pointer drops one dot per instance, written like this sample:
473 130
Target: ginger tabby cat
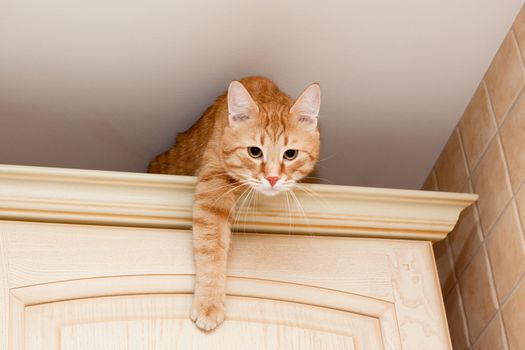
252 137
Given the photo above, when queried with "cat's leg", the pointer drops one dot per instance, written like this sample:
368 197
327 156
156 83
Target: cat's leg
212 215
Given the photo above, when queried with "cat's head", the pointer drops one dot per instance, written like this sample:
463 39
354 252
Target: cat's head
271 142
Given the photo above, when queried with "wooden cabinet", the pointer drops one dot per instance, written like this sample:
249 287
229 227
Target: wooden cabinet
103 260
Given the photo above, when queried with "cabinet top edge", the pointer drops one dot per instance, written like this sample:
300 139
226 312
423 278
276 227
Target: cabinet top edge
111 198
44 174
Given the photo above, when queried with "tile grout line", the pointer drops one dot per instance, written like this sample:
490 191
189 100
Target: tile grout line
510 108
494 122
485 327
491 111
468 180
497 137
514 192
469 173
502 326
499 315
505 164
456 284
491 278
480 231
513 102
517 213
513 202
520 186
476 208
447 243
503 155
518 285
467 264
513 289
498 131
507 179
463 153
493 294
515 286
516 42
451 262
512 199
464 314
521 224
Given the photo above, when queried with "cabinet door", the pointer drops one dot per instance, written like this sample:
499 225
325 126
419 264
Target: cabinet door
151 312
95 287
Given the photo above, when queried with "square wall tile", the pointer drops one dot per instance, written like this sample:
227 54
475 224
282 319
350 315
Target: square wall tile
519 29
490 183
520 199
444 266
505 77
477 294
506 250
451 171
513 139
493 338
477 126
456 320
514 318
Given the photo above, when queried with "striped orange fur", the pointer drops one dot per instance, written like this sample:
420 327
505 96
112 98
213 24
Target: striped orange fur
254 137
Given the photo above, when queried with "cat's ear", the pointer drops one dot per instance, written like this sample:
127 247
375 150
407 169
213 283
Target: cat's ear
307 106
240 103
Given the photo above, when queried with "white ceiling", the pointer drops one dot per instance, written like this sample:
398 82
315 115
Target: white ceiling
106 84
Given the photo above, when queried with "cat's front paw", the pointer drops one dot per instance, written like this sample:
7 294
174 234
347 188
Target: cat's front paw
208 315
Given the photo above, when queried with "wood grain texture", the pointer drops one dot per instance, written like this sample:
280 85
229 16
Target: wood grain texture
161 322
40 253
16 323
419 307
382 312
148 200
312 280
362 318
183 284
4 293
395 271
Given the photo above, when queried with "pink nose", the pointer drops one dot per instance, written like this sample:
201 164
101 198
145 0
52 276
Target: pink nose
272 180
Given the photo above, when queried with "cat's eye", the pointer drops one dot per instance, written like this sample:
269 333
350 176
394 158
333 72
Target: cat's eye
255 152
290 154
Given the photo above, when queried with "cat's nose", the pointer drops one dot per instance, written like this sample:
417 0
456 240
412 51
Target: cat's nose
272 180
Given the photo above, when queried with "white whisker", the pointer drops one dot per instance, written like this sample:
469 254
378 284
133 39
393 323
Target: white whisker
300 207
289 213
312 194
229 191
237 214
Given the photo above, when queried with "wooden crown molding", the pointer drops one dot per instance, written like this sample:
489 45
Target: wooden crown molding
165 201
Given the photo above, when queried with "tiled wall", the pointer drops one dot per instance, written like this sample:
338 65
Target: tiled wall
481 264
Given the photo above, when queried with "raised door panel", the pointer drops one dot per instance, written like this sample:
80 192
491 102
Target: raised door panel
294 317
161 322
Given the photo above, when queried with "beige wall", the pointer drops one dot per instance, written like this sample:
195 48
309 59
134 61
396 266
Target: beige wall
482 262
